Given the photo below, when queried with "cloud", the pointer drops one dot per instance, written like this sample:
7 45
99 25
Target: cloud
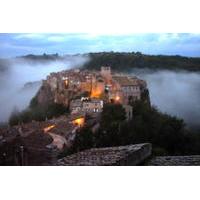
186 44
56 38
29 36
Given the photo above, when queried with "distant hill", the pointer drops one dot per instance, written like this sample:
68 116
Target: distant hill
127 61
31 59
47 57
41 57
119 61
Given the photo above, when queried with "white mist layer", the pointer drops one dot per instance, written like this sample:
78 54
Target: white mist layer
19 73
176 93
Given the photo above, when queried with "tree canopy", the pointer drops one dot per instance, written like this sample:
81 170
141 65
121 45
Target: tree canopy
37 112
121 61
167 134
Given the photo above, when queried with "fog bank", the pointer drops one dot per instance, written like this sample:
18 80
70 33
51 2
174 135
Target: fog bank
20 71
176 93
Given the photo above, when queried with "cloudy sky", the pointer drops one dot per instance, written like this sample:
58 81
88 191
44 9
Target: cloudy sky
186 44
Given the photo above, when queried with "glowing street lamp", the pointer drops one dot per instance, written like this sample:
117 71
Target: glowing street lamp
117 98
79 121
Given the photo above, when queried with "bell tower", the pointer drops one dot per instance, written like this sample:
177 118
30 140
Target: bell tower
106 72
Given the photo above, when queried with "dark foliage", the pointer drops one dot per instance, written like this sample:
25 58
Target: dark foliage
37 112
128 61
167 134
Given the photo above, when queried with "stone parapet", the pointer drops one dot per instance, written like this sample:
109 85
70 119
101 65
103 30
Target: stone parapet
121 156
175 161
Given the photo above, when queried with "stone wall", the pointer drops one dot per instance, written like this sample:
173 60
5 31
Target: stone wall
119 156
175 161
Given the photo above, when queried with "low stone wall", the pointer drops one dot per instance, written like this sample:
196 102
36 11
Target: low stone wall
121 155
175 161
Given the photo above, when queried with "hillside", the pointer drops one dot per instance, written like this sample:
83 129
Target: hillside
120 61
128 61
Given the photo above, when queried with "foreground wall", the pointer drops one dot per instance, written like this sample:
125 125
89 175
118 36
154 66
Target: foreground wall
121 155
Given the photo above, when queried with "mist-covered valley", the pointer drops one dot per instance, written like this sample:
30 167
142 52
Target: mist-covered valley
174 92
20 79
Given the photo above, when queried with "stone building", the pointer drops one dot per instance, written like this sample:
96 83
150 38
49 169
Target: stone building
88 105
128 88
75 106
106 73
98 87
92 105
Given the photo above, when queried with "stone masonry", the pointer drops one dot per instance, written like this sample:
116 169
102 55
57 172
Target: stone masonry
121 155
175 161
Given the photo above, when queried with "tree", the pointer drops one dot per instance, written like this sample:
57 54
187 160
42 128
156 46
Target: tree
34 102
112 116
37 112
14 117
121 61
84 140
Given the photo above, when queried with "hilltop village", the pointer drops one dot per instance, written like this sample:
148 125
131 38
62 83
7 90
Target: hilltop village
84 93
87 132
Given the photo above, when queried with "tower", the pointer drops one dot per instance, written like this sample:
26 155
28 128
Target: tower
106 72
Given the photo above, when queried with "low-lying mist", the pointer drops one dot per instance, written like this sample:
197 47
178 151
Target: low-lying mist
174 92
13 93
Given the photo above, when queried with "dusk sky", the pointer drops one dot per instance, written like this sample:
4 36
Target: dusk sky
186 44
